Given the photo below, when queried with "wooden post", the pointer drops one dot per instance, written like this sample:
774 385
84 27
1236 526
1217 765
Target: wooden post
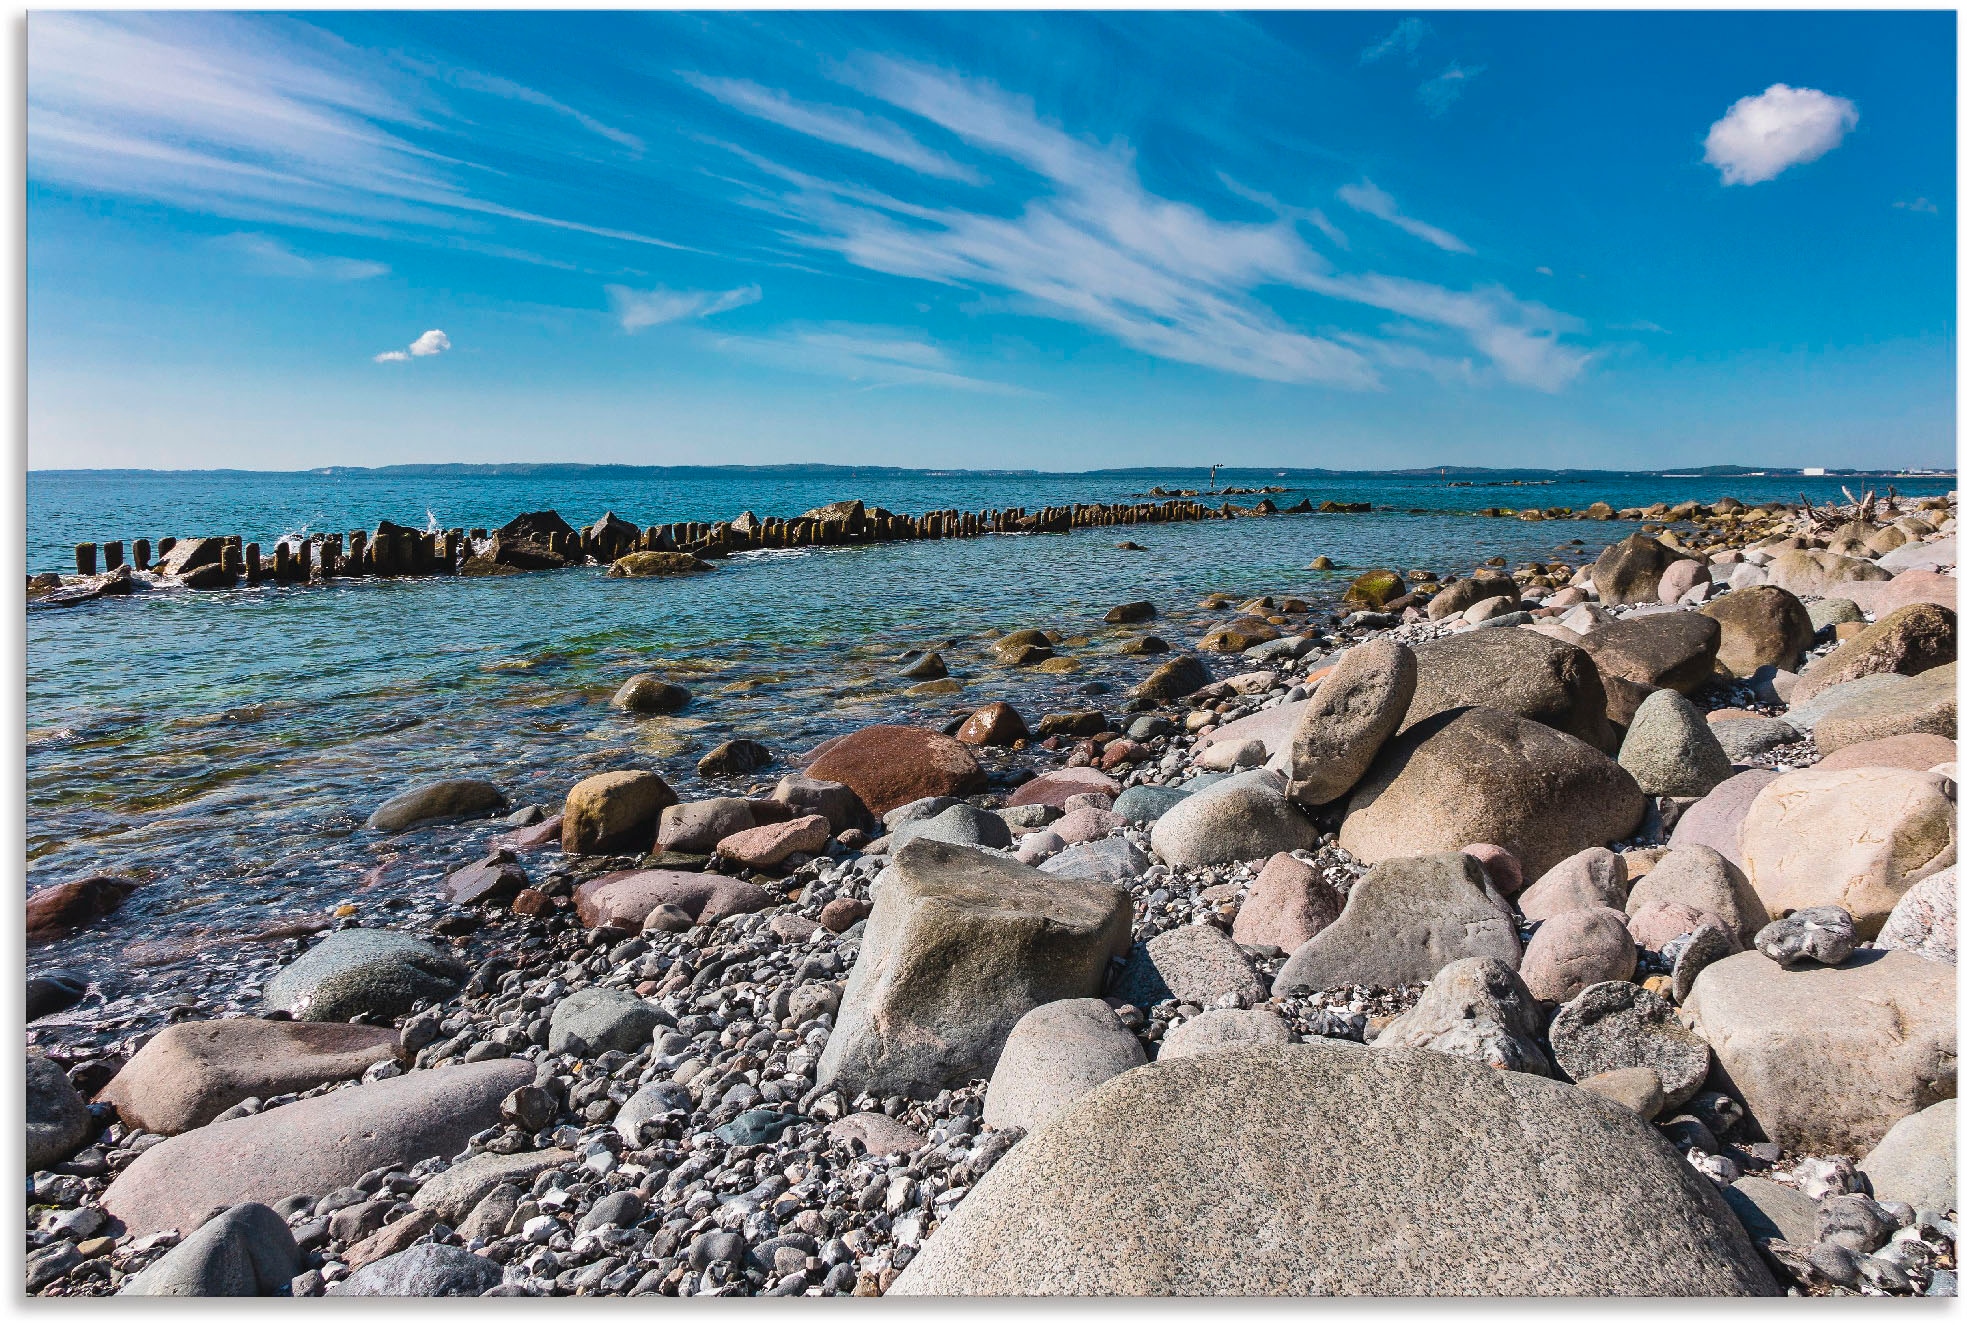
164 546
85 558
358 547
112 555
232 558
252 563
283 562
140 553
330 556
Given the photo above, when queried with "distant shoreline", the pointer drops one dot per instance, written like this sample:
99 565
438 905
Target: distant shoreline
1224 473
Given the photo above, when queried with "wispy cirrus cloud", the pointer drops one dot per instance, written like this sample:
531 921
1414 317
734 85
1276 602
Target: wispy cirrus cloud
834 124
637 309
1092 246
426 346
1446 88
1405 39
869 356
1920 204
268 256
1373 200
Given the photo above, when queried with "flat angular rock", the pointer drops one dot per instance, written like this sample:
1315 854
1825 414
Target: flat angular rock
836 800
375 971
1916 750
1637 1088
1914 1162
1059 785
614 812
626 898
888 765
1707 882
450 1195
1056 1053
1883 597
698 826
765 846
1761 626
1715 821
1192 964
1481 775
1923 703
1923 921
1483 1182
1221 1029
58 1122
1663 650
1671 751
1827 1058
312 1146
245 1252
1111 860
1576 948
1287 905
1616 1024
1591 878
497 877
1476 1008
1746 738
1402 923
1514 671
960 945
454 799
1855 838
1909 641
1771 1210
1243 817
190 1073
1353 712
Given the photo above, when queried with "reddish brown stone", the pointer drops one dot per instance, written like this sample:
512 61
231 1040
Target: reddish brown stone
993 724
843 913
887 766
626 898
768 844
1053 788
1122 751
1288 904
545 833
529 902
66 907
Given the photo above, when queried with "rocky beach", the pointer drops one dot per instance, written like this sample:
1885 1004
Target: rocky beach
1571 925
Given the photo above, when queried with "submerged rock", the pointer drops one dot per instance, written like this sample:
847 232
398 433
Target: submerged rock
377 972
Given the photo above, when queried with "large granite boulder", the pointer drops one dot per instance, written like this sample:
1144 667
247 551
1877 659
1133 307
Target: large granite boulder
1715 820
1761 626
1909 641
960 944
1827 1058
1404 921
375 971
1883 597
246 1252
1915 750
1854 837
1056 1053
1514 671
312 1146
1629 571
1813 573
1243 817
1573 949
614 812
1482 775
1195 1176
190 1073
1348 718
1707 883
1657 650
1670 749
888 766
1593 877
454 799
1914 1161
1901 705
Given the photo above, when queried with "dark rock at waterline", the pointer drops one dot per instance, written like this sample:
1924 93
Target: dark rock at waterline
55 911
58 1122
54 991
734 758
536 527
455 798
647 692
1180 675
993 724
374 971
889 765
1127 613
495 878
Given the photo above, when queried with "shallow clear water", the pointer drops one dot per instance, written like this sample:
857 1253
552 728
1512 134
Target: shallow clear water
226 746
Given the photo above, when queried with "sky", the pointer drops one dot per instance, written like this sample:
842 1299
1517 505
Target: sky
1051 241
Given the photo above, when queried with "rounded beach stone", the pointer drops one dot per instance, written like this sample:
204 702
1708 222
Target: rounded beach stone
878 1133
1761 626
1670 749
1916 750
1923 703
1703 880
1056 1053
627 898
245 1252
1914 639
1191 963
1715 821
1822 934
1504 870
1629 570
1403 922
889 766
993 724
1145 803
1287 905
450 1195
58 1122
613 812
1352 713
1750 737
1243 817
1616 1024
765 846
1483 1182
1576 948
1923 920
1637 1088
375 971
1111 860
648 692
1060 785
1914 1161
963 824
1666 650
837 801
1466 593
698 826
190 1073
1658 923
429 1269
1813 573
589 1022
1226 1028
438 800
1590 878
1180 675
1514 671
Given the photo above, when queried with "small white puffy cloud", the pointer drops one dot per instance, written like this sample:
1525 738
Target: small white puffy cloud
1918 205
651 308
1373 200
1762 136
423 347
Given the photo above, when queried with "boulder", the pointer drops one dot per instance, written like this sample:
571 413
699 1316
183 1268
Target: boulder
889 765
993 724
1915 750
1585 946
1823 934
312 1146
1770 1210
1464 594
1923 703
962 824
766 846
1827 1058
1811 573
698 826
1482 1182
836 800
589 1022
1923 921
1409 917
1236 636
1505 871
614 812
245 1252
1061 784
1056 1053
1128 613
1707 883
1144 803
1750 736
1761 626
190 1073
1475 1008
1616 1024
626 898
1670 749
1226 1028
1110 860
1681 578
1854 838
429 1269
1374 589
1658 650
1180 675
1354 710
375 971
960 945
1911 640
1629 571
1481 775
452 1194
1514 671
1883 597
648 692
58 1122
1715 821
456 799
1191 964
1593 877
648 565
57 911
733 759
1287 905
1243 817
1914 1161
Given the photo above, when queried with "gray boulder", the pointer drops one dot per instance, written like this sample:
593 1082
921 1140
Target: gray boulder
1226 1028
1746 738
454 799
1482 1182
1914 1162
1145 803
429 1269
961 824
1483 775
1109 860
452 1194
1923 703
1816 933
1056 1053
245 1252
1616 1024
589 1022
698 826
375 971
1244 817
1475 1008
1702 879
1348 718
1192 964
1402 923
1513 671
1671 751
58 1122
960 944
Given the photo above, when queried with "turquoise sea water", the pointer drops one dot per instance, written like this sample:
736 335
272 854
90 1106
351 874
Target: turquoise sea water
226 746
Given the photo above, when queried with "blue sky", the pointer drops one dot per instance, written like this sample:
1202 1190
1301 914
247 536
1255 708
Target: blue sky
1000 240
